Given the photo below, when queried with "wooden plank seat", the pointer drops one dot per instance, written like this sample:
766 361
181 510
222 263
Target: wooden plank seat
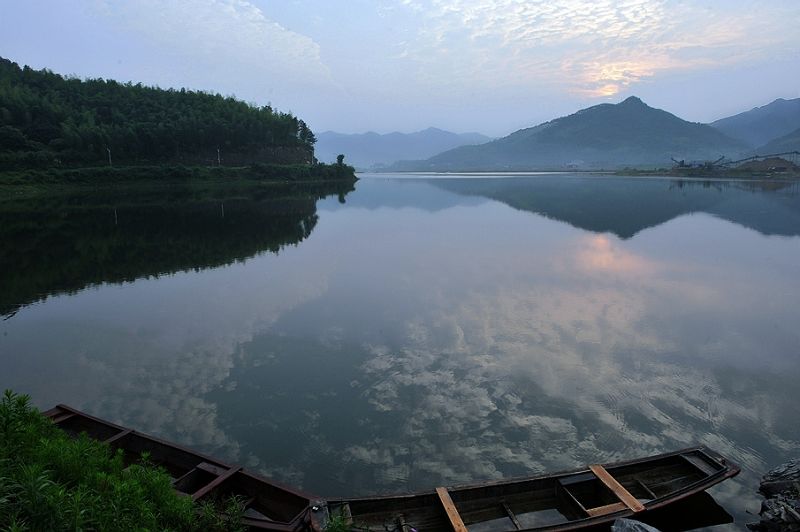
61 417
450 508
121 434
622 494
700 464
606 509
216 482
211 468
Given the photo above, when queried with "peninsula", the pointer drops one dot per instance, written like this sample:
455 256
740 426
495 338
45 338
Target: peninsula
58 129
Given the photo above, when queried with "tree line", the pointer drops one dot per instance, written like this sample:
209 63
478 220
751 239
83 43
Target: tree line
49 120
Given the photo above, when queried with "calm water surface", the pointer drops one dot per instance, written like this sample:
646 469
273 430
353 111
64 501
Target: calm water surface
425 331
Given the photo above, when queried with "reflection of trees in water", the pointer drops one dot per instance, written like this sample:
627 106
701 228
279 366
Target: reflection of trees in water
61 244
626 206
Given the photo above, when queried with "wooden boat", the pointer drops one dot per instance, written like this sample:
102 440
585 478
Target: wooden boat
268 505
580 499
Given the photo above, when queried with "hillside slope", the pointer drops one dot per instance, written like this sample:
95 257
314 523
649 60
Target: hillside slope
760 125
790 142
604 136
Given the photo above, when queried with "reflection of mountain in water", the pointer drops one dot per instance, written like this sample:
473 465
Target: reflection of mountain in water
625 206
393 193
64 243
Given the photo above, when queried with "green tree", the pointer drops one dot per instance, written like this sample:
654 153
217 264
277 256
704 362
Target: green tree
46 117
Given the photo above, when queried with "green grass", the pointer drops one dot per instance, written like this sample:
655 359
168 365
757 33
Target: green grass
49 481
338 524
101 175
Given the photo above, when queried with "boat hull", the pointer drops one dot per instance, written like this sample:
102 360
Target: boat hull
571 500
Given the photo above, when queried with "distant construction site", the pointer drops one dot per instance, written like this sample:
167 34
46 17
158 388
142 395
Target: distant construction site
778 165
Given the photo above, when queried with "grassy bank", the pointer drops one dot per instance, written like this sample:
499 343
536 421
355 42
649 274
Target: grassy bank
272 179
171 173
49 481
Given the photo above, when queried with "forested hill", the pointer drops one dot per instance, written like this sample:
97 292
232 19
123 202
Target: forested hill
50 120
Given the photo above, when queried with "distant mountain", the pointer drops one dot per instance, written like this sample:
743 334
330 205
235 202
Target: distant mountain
629 133
790 142
760 125
367 150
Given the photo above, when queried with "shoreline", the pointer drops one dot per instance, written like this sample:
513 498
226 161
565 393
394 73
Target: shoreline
21 184
636 174
177 173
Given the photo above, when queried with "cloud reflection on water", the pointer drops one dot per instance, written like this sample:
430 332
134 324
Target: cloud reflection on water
553 364
398 349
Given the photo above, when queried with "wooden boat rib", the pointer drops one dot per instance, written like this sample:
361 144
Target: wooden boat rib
580 499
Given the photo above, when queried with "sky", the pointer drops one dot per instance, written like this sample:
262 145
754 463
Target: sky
490 66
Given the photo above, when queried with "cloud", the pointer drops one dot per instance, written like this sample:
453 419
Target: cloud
223 43
596 48
541 23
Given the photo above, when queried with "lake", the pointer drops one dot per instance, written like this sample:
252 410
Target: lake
419 331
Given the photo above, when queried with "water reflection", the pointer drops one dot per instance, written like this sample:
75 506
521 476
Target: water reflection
498 346
63 243
625 206
401 347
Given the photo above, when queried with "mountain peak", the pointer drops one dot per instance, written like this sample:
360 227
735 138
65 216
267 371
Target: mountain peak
607 136
632 100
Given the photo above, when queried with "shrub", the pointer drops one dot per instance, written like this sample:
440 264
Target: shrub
49 481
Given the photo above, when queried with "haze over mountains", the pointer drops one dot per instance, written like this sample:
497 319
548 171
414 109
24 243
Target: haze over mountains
629 133
371 149
761 125
772 128
790 142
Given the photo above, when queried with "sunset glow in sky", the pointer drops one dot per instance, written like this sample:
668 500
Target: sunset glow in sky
491 66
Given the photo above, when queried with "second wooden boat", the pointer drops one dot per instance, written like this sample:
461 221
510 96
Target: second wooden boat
580 499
